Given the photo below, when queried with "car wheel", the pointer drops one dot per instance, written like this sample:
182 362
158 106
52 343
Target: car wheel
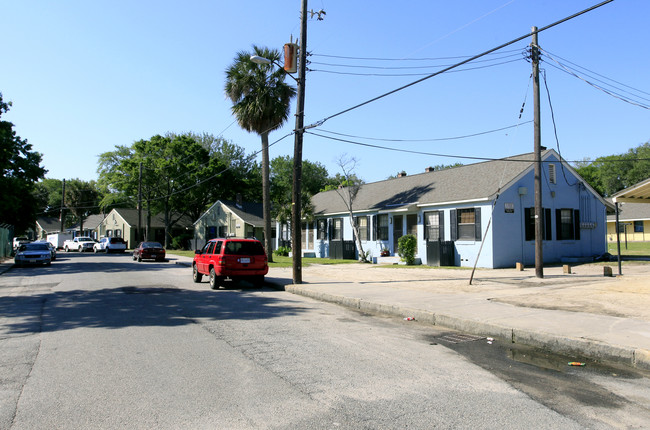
215 281
134 257
67 249
139 259
196 276
95 250
258 281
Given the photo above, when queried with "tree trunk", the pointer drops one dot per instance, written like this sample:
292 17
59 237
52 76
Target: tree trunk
266 198
357 240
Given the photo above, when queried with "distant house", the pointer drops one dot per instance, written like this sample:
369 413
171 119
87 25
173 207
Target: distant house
124 223
90 227
480 213
634 223
229 219
47 225
634 214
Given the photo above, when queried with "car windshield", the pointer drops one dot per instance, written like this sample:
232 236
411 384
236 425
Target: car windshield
244 248
34 247
151 245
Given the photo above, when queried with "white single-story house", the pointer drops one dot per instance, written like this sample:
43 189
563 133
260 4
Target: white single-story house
123 223
480 213
229 219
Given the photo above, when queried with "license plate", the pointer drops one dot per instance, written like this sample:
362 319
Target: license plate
245 260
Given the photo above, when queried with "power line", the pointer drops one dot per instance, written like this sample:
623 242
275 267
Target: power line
401 59
319 123
426 140
409 74
433 154
361 66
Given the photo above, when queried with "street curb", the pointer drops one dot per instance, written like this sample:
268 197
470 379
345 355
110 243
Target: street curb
579 347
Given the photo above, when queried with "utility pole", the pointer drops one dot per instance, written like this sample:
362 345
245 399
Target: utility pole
62 213
296 204
539 227
139 236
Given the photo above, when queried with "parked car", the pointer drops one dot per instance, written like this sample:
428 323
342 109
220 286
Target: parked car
33 253
149 251
51 247
231 258
80 243
110 244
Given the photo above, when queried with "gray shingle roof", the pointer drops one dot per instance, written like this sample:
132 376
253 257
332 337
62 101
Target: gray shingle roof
464 183
157 221
250 213
49 224
632 212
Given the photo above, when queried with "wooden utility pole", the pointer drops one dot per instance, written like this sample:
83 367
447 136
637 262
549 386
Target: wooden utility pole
539 211
296 204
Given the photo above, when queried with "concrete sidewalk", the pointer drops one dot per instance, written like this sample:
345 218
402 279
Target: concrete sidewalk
583 314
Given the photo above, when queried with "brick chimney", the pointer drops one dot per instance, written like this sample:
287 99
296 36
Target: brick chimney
429 169
401 174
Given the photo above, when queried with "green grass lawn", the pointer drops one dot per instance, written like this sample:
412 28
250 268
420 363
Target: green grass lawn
633 248
277 260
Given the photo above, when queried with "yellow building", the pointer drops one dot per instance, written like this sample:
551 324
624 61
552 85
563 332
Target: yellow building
634 223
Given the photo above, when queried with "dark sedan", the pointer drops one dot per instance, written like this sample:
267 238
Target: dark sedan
149 251
33 253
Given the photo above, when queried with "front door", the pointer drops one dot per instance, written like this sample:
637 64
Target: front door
398 230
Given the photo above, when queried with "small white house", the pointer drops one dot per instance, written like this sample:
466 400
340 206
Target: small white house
480 213
229 219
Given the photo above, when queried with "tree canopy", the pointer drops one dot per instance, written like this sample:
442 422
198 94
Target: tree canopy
612 173
20 169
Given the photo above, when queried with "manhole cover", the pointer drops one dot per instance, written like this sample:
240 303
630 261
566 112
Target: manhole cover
460 338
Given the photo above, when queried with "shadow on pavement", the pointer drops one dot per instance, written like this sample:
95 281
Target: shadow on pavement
127 306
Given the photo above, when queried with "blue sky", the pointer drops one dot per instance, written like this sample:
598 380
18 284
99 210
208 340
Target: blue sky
85 76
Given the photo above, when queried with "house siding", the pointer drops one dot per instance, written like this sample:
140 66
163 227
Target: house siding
502 244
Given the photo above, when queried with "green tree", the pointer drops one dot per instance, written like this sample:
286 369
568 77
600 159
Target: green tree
20 169
81 199
612 173
261 104
181 175
47 195
314 178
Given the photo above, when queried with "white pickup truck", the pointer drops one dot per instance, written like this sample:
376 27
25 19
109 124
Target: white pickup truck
80 244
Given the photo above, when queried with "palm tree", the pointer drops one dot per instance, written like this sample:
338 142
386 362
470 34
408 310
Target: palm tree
261 104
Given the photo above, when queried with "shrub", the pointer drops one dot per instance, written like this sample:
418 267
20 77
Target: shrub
282 251
406 246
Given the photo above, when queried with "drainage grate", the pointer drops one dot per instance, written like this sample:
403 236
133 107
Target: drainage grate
460 338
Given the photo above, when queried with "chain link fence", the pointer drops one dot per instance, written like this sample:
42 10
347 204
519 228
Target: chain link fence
6 240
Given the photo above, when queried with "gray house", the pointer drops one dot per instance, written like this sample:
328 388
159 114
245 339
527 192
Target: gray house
480 213
229 219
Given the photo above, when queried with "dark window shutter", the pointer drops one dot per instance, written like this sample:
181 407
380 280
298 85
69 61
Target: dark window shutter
548 233
477 224
529 225
367 228
453 225
576 224
558 224
374 227
441 222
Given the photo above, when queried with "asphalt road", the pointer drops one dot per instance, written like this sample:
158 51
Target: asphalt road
100 341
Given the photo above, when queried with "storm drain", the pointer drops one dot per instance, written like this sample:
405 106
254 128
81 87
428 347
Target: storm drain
460 338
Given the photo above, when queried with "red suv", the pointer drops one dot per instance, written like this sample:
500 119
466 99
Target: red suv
230 258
